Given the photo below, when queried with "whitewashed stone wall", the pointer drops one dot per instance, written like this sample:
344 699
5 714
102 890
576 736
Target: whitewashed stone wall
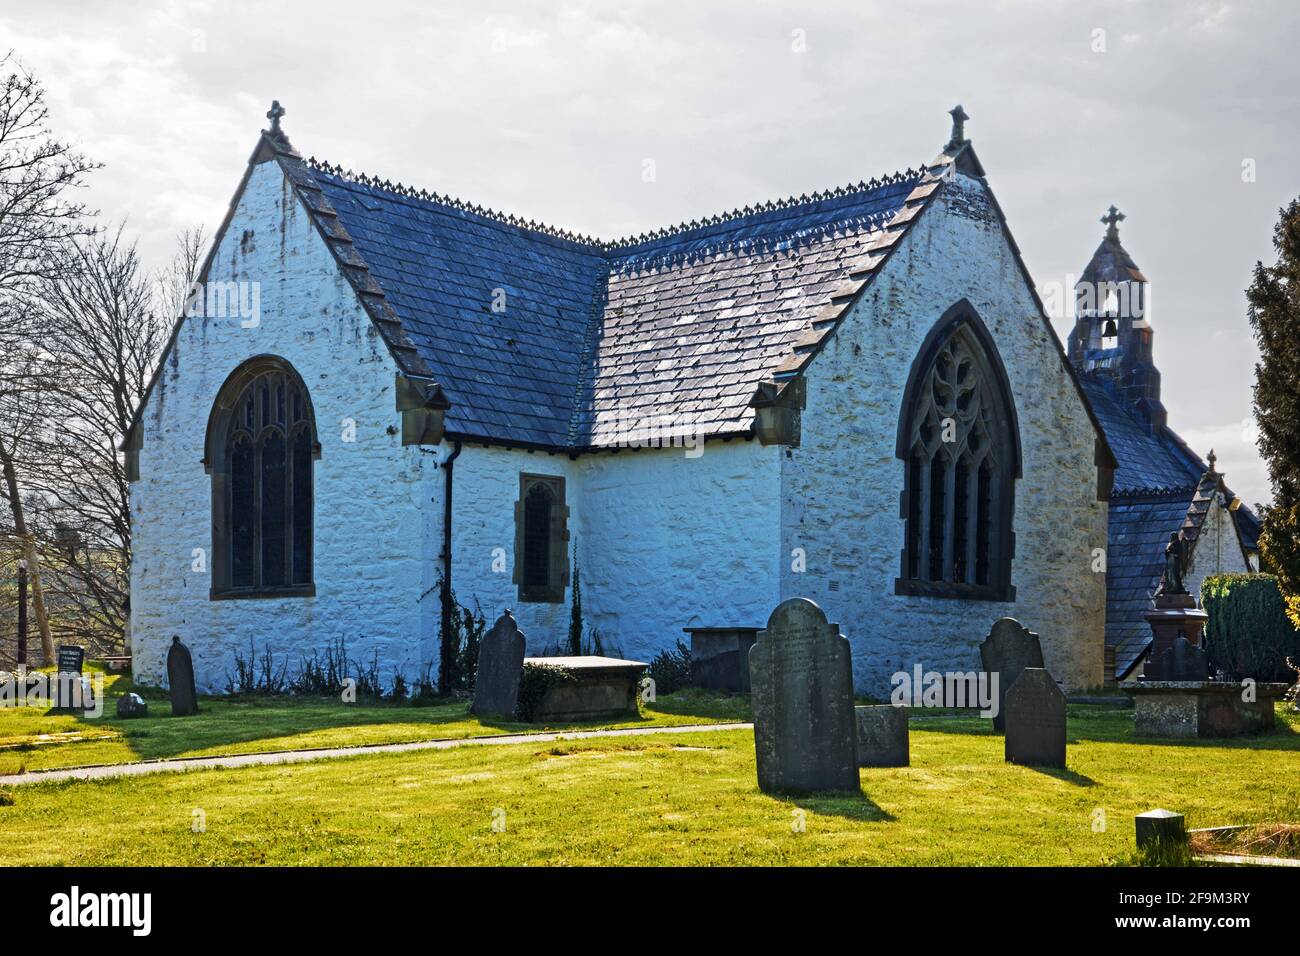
663 541
1218 550
374 537
485 487
840 490
675 541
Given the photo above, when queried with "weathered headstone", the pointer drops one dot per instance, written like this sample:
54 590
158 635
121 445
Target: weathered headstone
1183 661
1035 709
801 686
180 680
132 705
1008 650
882 736
500 662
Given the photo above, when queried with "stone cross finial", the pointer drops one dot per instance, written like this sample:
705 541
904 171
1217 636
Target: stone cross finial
1112 219
274 114
959 118
1211 459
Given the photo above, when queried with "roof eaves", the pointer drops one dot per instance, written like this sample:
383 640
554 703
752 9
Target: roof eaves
351 263
860 273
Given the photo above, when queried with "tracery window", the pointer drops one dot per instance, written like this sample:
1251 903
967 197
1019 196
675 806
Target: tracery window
958 438
261 452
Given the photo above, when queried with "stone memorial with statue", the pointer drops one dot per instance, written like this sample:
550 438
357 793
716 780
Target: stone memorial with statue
1176 697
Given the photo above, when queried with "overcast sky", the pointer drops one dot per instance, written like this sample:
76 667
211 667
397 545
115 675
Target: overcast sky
550 110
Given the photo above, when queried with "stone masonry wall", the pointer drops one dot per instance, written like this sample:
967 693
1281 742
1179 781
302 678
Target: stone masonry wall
373 515
841 489
663 540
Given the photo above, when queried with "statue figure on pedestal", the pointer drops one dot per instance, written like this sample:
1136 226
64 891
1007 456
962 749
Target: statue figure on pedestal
1171 581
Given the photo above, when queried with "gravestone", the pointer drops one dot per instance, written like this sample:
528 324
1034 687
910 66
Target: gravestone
180 680
500 662
69 659
801 686
132 705
1008 650
882 736
1183 661
1035 709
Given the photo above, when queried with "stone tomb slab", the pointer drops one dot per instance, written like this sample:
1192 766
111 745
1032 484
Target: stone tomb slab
1008 650
500 663
720 657
801 685
883 739
602 687
1035 720
1202 709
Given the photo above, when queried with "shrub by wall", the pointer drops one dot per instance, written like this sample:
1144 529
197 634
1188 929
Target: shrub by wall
1248 633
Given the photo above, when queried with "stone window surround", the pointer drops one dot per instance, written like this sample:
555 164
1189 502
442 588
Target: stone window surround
963 316
558 537
216 463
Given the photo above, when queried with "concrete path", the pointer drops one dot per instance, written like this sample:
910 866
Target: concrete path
178 764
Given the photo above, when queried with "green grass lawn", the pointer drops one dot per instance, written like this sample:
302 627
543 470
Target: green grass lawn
665 799
35 739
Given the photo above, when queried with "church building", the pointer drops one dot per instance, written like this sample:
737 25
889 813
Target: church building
1161 486
382 397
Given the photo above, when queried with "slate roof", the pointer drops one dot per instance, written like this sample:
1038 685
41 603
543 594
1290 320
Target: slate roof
692 327
1149 460
1161 486
510 373
1111 263
676 328
1139 529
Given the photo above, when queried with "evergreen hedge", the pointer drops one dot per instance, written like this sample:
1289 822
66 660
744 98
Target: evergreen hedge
1248 633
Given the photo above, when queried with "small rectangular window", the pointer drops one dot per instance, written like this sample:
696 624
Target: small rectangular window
541 539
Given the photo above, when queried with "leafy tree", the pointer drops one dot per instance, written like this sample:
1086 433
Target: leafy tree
1274 299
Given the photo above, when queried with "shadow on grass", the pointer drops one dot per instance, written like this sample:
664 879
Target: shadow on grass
854 805
264 723
1102 724
1065 774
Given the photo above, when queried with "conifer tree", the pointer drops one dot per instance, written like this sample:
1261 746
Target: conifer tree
1274 298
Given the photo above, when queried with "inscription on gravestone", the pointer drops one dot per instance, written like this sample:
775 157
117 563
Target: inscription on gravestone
1008 650
69 659
180 680
801 685
1035 720
500 664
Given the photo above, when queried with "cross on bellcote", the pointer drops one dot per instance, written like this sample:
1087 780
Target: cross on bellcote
1112 219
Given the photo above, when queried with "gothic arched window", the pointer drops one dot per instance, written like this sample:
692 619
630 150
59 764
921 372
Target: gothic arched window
959 441
261 446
